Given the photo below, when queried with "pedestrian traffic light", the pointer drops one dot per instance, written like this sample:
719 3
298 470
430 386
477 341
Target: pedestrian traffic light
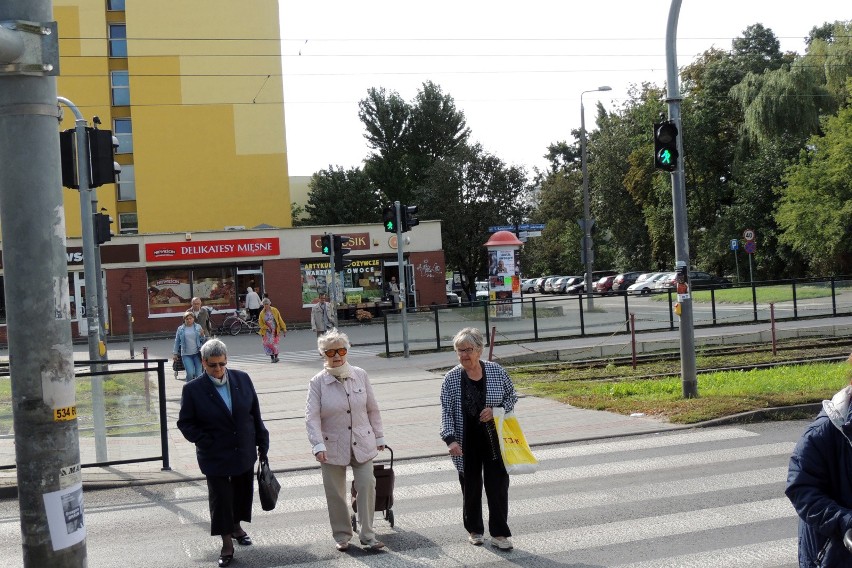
103 233
68 158
665 146
326 244
389 218
408 218
339 251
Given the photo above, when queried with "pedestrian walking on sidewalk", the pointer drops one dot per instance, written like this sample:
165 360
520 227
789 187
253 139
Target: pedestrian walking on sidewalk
252 304
345 429
819 484
188 340
323 316
202 316
469 392
220 414
272 328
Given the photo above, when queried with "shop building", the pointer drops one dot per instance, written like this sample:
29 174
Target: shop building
157 275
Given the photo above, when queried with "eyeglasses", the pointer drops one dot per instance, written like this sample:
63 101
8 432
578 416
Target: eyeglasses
340 351
216 365
467 351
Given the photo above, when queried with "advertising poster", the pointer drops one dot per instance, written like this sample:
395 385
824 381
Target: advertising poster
64 511
503 282
168 292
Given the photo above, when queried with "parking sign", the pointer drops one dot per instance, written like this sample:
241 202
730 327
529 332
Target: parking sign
735 244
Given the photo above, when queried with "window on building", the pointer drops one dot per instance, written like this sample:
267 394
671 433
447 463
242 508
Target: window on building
117 40
115 5
128 223
122 128
127 183
120 86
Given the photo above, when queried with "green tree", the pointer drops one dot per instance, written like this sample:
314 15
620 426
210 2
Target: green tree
815 208
337 196
471 190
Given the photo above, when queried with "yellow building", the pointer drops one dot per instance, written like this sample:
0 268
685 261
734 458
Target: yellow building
192 89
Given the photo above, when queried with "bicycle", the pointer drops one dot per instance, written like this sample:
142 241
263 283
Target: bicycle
235 324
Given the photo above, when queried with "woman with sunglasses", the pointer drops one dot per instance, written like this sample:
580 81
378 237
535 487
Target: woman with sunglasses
345 429
470 391
220 414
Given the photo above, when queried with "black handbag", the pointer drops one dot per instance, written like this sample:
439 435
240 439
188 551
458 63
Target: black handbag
267 486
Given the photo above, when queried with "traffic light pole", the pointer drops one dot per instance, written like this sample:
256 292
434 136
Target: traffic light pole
403 286
38 313
687 332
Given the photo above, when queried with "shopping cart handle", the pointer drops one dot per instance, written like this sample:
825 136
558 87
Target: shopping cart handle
388 448
847 540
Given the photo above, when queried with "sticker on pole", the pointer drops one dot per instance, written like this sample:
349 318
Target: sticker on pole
63 414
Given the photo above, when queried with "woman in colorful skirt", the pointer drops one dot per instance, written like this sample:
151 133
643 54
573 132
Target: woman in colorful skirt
272 328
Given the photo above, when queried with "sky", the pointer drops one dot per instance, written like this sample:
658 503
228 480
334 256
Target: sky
515 69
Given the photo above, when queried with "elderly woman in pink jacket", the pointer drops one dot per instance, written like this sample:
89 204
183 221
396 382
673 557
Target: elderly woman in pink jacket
345 429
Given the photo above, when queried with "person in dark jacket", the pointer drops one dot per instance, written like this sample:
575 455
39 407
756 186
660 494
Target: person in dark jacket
819 484
220 414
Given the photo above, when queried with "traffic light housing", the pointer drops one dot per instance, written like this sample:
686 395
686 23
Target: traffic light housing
408 218
665 146
101 157
103 233
339 251
389 218
326 245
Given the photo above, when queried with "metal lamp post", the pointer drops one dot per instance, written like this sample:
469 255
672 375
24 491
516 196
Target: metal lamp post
587 219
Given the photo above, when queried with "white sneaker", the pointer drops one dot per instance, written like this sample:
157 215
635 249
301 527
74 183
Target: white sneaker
502 542
475 539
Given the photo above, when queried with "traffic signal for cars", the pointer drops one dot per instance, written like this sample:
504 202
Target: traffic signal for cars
326 244
408 218
389 218
339 252
665 146
103 233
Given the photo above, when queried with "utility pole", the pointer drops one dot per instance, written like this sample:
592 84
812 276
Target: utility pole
47 453
688 372
403 296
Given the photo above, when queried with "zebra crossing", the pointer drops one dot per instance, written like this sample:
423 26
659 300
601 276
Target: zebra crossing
703 498
249 360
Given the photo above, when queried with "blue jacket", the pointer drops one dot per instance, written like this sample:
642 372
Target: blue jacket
226 443
819 484
180 339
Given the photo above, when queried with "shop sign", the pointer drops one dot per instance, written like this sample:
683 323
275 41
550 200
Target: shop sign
208 250
357 241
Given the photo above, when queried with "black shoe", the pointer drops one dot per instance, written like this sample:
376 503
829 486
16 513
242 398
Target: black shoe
243 540
225 559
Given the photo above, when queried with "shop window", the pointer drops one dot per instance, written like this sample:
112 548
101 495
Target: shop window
169 291
215 286
120 89
117 40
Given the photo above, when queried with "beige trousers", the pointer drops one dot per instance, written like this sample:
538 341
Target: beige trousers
334 482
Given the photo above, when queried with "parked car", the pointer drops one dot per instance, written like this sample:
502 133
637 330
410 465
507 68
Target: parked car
666 281
580 287
698 280
625 279
561 285
645 283
604 285
528 285
453 299
548 284
539 284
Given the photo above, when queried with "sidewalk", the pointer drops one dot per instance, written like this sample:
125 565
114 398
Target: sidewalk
408 390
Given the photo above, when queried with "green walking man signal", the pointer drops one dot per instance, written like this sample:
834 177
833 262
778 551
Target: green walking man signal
665 146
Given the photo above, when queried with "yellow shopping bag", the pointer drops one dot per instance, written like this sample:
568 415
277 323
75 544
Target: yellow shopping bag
517 456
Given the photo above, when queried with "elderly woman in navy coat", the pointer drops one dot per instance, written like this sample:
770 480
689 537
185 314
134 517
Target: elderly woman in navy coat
220 414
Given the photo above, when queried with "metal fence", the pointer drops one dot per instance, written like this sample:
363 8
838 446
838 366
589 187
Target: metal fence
560 317
121 413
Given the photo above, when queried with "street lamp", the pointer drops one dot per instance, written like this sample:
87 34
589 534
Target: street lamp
587 220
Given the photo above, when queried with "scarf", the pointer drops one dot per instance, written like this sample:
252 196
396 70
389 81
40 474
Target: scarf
220 382
341 373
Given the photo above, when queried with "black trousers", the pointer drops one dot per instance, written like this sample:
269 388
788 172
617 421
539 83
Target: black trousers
481 467
230 501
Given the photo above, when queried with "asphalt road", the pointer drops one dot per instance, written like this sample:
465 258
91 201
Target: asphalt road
705 497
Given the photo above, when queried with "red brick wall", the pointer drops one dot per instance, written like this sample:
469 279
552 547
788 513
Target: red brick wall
283 282
429 279
130 286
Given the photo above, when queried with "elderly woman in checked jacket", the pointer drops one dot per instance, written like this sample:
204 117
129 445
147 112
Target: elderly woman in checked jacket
470 390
